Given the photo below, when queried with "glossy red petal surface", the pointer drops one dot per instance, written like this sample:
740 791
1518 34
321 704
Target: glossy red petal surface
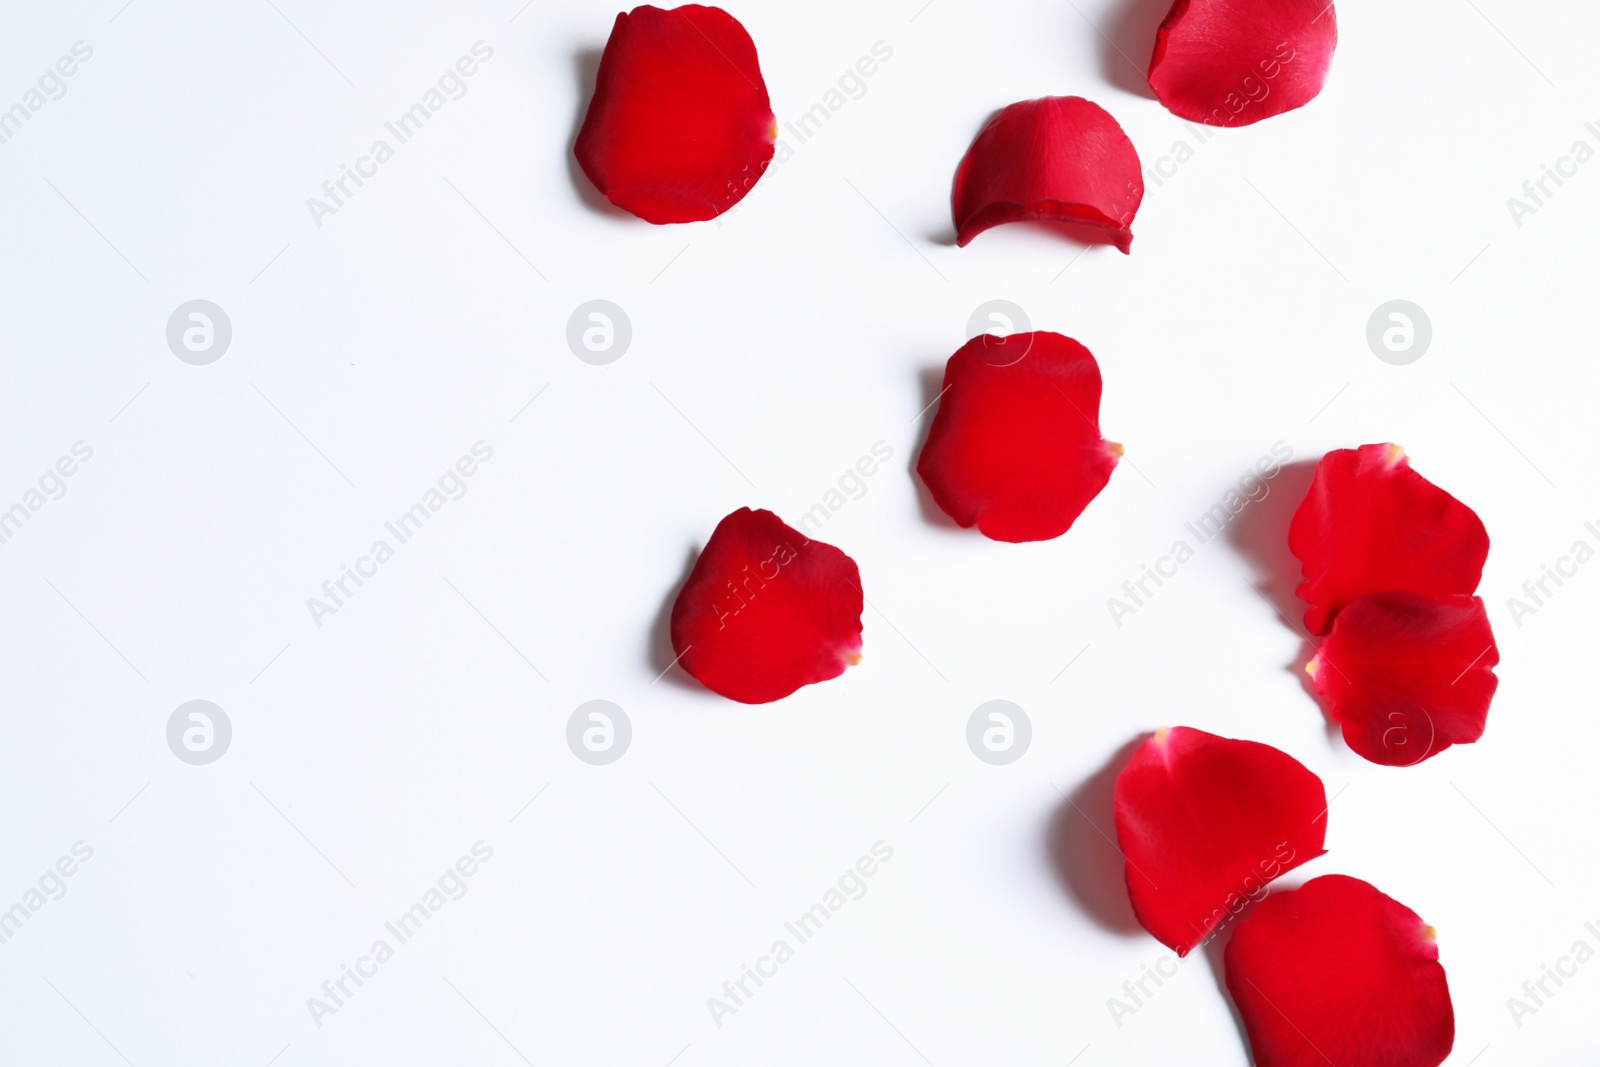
766 611
1205 822
1234 62
1015 448
1371 524
1336 972
1408 675
1057 159
680 127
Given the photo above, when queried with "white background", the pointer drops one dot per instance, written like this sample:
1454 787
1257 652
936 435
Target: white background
770 351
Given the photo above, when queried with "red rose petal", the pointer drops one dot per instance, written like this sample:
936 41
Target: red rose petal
680 127
1407 675
1205 822
766 611
1234 62
1371 524
1015 447
1058 159
1336 972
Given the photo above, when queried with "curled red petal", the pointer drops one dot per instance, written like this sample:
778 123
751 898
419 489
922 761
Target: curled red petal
1015 447
766 610
1336 972
1235 62
1205 822
1407 675
1371 524
1057 159
680 127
